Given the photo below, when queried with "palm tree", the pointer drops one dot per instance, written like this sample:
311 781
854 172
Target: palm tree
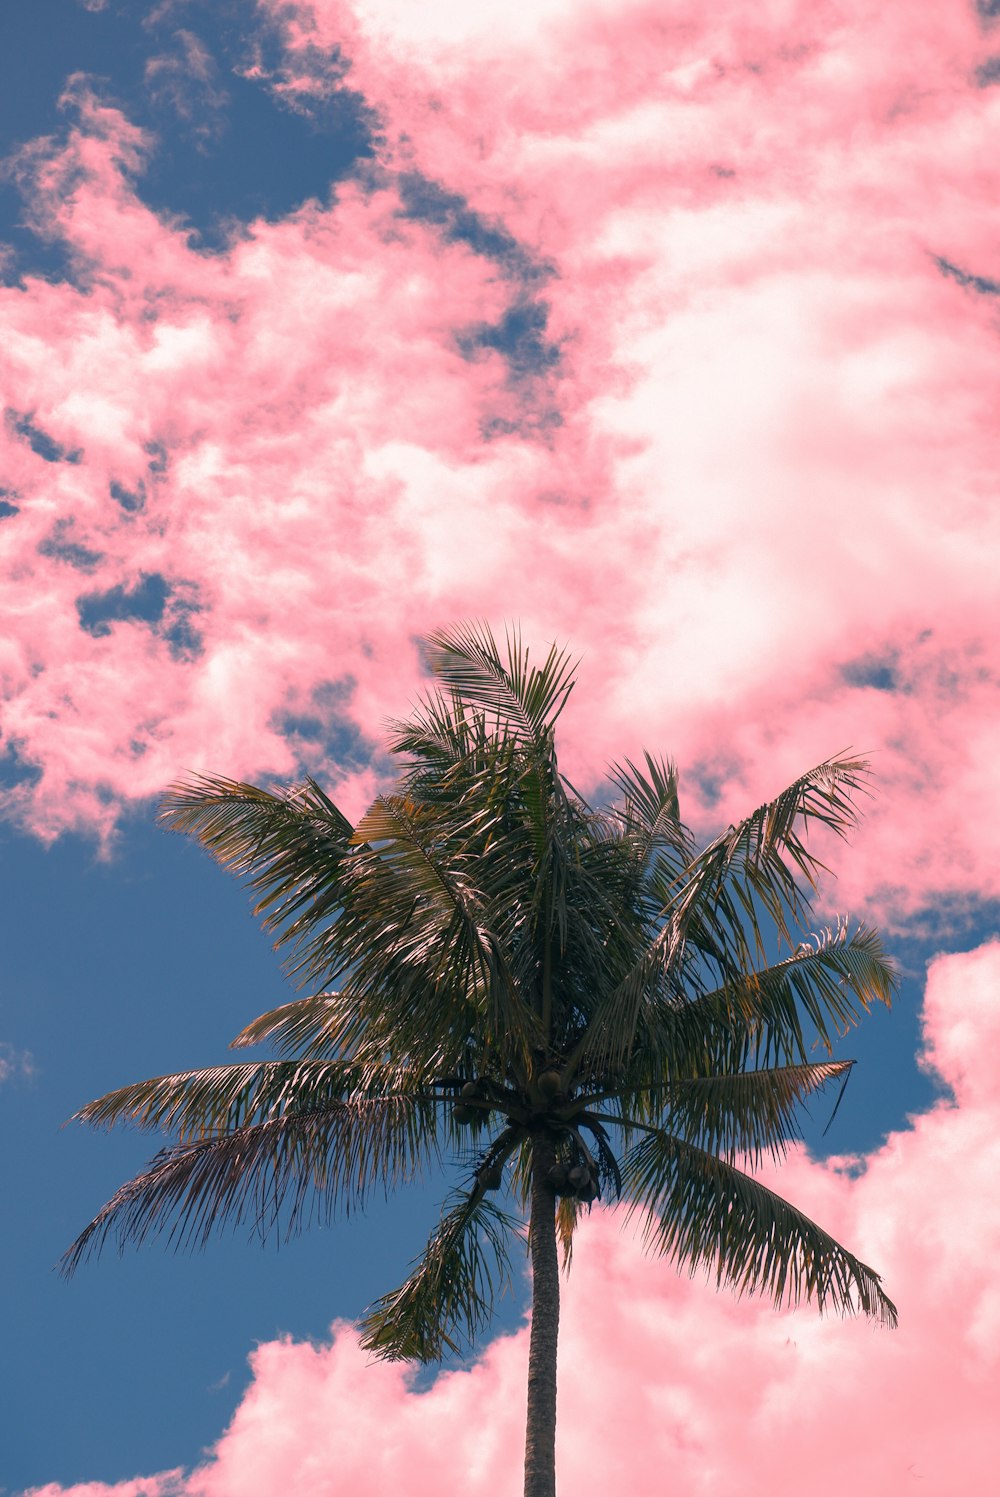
572 997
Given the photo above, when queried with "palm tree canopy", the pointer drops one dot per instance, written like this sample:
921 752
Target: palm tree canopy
486 957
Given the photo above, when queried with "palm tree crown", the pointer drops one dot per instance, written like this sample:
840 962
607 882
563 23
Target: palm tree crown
573 997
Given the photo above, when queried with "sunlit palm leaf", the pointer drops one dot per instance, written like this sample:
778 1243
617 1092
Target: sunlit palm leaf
298 1167
530 698
704 1213
314 1024
195 1104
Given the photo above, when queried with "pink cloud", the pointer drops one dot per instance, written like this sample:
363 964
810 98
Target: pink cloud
660 1373
761 468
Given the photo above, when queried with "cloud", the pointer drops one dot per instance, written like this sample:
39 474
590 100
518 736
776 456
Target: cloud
671 341
660 1373
15 1062
186 79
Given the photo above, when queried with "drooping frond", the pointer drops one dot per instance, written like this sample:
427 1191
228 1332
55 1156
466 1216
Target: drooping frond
704 1213
450 1295
567 1220
298 1167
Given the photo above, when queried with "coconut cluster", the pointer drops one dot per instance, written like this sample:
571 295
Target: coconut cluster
464 1111
578 1180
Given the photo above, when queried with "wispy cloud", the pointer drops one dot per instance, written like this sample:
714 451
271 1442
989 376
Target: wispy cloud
15 1063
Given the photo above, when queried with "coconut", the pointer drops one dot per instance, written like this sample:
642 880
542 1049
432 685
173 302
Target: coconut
578 1177
556 1177
550 1084
464 1114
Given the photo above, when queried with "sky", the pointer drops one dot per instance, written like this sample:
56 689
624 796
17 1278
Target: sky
669 331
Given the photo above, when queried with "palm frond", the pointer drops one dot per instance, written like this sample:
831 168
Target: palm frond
567 1221
747 1114
524 697
288 846
764 861
650 813
704 1213
834 978
778 1014
450 1295
301 1166
312 1024
196 1104
449 942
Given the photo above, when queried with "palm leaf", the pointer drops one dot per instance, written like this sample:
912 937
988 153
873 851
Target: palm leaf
703 1212
524 697
314 1024
745 1114
289 846
311 1164
450 1295
449 944
777 1015
716 908
196 1104
763 862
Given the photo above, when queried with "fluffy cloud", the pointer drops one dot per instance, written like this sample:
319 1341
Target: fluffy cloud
675 341
659 1373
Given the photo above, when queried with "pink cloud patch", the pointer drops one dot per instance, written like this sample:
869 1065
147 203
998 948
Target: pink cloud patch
661 1374
742 457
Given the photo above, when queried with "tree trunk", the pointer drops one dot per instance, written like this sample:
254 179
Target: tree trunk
540 1441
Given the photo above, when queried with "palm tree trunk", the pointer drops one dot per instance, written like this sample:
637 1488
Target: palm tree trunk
540 1440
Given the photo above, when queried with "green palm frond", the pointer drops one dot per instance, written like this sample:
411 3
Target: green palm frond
197 1104
524 697
289 846
447 945
811 998
302 1166
762 863
748 1114
650 814
451 1293
704 1213
745 877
